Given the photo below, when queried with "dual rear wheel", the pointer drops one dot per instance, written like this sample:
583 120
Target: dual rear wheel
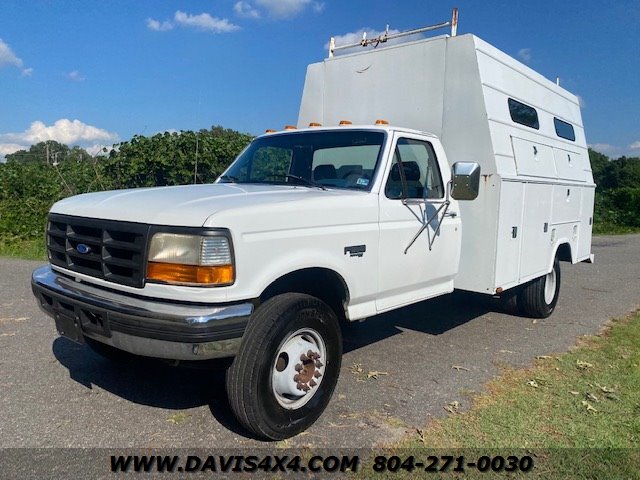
536 299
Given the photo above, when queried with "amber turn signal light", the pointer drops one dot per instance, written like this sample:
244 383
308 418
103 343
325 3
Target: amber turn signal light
190 274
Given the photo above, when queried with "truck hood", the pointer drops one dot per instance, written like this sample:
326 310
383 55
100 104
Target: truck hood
188 205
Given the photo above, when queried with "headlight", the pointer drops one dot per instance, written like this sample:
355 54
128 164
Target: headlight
190 260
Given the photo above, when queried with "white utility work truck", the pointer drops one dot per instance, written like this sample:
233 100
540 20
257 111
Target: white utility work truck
415 169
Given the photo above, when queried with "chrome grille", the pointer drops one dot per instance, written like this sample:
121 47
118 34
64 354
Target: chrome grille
114 251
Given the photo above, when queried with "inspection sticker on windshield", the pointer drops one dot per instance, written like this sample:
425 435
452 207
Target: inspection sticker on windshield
362 181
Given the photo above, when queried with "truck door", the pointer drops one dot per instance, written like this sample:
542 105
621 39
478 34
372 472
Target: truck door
415 189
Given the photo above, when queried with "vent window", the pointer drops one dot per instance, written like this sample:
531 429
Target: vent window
564 129
523 114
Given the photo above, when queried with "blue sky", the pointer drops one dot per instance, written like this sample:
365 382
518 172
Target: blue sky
95 72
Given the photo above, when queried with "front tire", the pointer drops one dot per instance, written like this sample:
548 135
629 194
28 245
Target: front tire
287 368
538 298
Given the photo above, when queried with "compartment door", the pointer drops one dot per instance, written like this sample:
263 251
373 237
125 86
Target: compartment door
509 234
534 159
536 228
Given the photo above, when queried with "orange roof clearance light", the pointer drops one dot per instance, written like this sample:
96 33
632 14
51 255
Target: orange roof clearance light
290 127
346 122
315 124
382 122
269 130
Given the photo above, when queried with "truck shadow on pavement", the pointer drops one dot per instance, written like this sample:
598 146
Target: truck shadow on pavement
432 317
158 384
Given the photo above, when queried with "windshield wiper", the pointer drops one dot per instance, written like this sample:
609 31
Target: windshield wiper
306 181
229 179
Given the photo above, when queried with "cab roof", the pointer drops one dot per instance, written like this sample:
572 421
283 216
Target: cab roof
389 129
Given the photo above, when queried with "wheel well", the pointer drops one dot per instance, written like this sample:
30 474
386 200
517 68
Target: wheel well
321 283
564 252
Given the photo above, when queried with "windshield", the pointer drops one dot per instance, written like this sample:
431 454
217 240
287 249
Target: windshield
324 159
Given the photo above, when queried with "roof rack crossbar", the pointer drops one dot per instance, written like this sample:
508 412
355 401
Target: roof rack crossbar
384 37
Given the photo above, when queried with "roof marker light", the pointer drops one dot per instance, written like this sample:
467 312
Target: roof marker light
290 127
346 122
315 124
382 122
269 130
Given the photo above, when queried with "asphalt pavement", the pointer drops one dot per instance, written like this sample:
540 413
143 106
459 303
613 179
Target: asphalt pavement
54 393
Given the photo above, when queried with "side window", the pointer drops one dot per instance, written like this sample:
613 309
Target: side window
414 172
523 114
564 129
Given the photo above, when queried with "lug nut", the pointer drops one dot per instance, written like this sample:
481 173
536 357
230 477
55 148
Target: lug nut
299 386
312 383
304 358
296 378
317 374
298 368
319 364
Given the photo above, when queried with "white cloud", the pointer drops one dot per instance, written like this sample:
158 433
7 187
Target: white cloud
284 8
318 7
615 151
157 26
98 149
605 148
525 54
69 132
8 148
203 22
245 10
75 76
8 57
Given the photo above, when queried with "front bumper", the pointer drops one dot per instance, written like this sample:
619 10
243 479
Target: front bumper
141 326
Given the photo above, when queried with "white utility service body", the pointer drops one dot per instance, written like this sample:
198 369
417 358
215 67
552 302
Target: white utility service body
537 189
416 169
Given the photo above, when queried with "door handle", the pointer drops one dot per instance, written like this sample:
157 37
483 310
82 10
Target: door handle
451 214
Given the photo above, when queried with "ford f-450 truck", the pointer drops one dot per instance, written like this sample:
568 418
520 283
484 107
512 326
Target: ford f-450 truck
415 169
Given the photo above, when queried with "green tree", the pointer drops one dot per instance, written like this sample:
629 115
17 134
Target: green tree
175 158
41 152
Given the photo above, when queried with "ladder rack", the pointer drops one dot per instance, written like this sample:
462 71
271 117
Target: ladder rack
383 38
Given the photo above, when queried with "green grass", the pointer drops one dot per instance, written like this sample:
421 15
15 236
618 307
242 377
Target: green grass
31 249
579 412
613 229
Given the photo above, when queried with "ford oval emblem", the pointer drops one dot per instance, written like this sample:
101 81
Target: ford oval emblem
82 248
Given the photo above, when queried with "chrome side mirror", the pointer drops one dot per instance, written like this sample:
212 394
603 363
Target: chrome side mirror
465 182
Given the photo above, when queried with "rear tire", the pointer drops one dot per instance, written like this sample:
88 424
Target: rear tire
538 298
287 368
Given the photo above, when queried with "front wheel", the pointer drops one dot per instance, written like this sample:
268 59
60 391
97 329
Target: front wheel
538 298
287 368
